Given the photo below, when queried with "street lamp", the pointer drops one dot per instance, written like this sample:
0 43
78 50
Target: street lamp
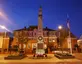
3 27
59 28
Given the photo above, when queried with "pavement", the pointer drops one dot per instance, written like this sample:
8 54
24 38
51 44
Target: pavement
50 60
78 55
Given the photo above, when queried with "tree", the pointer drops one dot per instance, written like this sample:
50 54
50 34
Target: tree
63 35
15 49
22 39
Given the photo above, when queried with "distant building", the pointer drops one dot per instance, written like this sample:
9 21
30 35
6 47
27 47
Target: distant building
79 42
4 41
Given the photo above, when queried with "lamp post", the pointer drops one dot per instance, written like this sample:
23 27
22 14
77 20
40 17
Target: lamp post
59 28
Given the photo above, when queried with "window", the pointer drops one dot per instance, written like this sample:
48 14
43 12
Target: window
50 40
16 33
34 34
30 33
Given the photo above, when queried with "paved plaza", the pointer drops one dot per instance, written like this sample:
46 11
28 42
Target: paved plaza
50 60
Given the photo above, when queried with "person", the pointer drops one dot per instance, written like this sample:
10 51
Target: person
34 52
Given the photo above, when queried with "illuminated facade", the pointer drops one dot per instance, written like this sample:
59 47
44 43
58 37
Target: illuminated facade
31 34
28 37
4 41
79 42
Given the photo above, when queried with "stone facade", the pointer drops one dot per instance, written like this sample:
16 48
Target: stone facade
31 34
50 38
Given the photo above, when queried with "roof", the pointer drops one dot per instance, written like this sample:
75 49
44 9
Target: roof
31 28
73 36
21 29
48 29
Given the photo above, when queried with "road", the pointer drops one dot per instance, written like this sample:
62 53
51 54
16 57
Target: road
44 63
50 60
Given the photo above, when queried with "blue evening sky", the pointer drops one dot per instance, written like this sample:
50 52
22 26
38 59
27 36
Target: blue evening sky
20 13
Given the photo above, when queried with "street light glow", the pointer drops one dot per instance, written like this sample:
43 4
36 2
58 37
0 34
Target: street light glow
3 27
60 27
0 13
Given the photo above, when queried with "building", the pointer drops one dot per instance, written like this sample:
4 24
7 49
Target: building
31 34
5 41
79 42
26 38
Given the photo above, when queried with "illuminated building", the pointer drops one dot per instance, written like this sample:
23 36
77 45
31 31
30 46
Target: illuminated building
28 37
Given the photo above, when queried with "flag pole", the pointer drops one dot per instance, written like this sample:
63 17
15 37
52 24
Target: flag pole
70 44
69 37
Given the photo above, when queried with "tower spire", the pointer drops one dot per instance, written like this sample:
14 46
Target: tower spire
40 6
40 25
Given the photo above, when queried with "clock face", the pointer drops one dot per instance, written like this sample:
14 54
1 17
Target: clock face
40 38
